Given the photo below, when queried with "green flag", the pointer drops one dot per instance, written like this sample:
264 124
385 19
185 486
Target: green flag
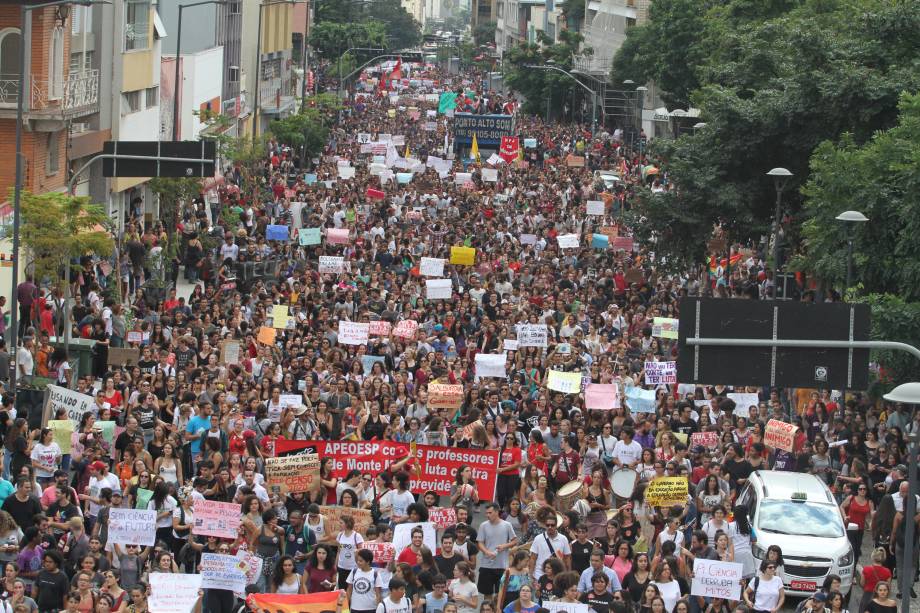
447 102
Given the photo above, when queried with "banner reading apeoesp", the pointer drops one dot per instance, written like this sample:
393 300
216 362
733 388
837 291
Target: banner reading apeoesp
434 467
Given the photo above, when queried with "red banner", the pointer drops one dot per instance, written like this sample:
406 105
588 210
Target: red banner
434 467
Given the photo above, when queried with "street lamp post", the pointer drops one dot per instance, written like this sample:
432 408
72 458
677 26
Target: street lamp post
350 49
17 189
780 178
582 85
640 100
908 393
176 85
850 219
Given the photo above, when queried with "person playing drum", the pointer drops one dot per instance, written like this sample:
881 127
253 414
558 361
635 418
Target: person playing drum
566 467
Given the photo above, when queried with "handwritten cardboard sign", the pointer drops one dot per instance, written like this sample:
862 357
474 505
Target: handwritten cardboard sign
296 473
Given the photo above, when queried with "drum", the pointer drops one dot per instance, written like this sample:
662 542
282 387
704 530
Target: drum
623 482
568 494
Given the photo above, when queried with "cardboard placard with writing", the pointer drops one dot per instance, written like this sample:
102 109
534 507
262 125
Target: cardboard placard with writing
444 395
779 435
296 473
362 517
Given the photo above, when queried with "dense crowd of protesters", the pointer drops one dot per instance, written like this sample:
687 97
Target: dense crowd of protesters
195 427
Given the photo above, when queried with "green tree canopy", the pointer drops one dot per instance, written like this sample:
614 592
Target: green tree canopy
542 87
771 90
57 227
332 39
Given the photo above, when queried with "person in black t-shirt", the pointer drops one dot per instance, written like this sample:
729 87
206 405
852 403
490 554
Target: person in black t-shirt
51 586
22 505
581 549
738 470
598 598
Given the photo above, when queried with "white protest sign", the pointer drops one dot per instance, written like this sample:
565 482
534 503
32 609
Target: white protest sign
222 572
490 175
510 344
346 172
743 402
532 335
528 239
75 403
402 536
491 365
364 137
568 241
173 592
353 333
462 178
438 289
132 526
558 606
714 579
251 565
595 207
431 267
334 264
658 373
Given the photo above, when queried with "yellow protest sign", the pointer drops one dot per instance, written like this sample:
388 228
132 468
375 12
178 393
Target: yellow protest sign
61 429
464 256
680 436
667 492
565 382
279 316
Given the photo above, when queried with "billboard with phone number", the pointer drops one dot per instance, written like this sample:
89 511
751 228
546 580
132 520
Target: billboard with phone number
433 468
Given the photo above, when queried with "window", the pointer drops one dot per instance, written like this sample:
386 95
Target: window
153 97
630 22
81 19
81 62
130 102
53 159
9 57
137 24
235 8
56 70
233 74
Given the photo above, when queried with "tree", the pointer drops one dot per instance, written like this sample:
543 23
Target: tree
882 180
332 39
543 87
484 33
57 228
171 193
777 89
402 30
305 131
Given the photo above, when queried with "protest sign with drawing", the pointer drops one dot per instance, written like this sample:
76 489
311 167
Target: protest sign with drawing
222 572
296 473
213 518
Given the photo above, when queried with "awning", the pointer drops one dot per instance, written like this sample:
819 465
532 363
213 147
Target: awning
158 28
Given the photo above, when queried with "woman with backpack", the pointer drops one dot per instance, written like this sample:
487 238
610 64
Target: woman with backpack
765 593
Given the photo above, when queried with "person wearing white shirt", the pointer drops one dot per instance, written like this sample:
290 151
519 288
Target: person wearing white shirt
627 452
550 543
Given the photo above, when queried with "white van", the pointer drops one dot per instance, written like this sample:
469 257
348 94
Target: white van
797 512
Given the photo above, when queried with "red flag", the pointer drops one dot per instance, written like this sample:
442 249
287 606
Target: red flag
509 148
375 194
395 75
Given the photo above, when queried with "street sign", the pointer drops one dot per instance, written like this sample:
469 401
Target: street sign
728 320
785 286
162 158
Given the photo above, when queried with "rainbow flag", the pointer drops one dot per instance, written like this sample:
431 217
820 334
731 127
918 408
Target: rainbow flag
318 602
714 266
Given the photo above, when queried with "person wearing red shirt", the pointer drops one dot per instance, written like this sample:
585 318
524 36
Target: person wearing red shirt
537 452
509 480
412 555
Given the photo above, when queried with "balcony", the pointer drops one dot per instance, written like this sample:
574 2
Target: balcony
77 96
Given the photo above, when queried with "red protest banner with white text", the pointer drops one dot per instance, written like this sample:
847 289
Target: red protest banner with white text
434 467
